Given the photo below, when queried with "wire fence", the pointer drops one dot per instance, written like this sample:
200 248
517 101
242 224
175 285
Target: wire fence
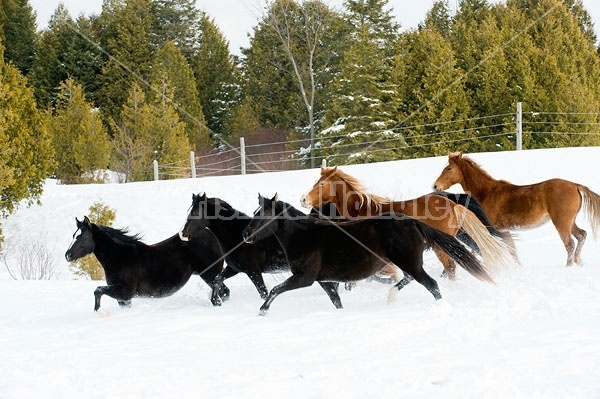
538 128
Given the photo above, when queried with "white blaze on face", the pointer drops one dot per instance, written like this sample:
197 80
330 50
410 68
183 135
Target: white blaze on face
76 235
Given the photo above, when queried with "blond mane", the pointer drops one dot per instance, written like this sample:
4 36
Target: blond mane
354 185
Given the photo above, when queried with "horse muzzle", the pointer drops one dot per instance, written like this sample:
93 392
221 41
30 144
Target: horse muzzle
248 238
183 237
304 202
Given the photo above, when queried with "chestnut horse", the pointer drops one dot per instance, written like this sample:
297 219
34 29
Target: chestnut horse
352 201
510 207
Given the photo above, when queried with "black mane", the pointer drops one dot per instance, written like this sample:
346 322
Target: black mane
121 235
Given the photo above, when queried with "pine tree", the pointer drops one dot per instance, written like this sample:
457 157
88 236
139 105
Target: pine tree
171 67
177 21
27 154
268 81
363 105
17 22
133 153
79 137
431 93
66 49
566 75
127 36
215 74
147 132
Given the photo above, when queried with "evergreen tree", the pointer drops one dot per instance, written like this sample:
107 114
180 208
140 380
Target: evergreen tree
127 36
215 74
439 19
242 121
177 21
565 72
27 154
431 93
268 81
17 20
79 137
363 102
171 70
66 49
147 132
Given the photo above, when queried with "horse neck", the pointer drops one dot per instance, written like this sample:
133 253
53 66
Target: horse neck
229 230
105 248
476 181
362 205
291 229
354 204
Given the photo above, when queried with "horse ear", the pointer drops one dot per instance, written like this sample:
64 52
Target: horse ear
87 222
203 197
275 198
455 155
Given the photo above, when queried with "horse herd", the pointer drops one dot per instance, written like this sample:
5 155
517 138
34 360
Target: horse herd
348 236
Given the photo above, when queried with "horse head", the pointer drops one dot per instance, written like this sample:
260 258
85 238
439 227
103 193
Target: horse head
198 217
264 223
451 174
83 241
324 190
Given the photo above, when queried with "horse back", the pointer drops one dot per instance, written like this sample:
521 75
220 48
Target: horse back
525 206
433 209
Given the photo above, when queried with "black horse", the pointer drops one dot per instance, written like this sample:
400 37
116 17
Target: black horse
133 268
329 252
228 224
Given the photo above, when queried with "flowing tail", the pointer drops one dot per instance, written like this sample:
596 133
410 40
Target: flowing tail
455 250
591 203
469 202
495 252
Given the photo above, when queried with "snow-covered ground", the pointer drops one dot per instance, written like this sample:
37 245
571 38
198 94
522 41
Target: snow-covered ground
535 334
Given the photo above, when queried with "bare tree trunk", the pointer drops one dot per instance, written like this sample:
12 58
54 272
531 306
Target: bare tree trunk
315 23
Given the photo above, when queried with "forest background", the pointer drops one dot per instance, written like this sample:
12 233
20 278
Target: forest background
148 80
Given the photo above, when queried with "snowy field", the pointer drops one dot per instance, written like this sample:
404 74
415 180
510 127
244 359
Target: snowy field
535 334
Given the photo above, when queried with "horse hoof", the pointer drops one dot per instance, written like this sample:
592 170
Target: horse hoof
102 313
263 312
392 295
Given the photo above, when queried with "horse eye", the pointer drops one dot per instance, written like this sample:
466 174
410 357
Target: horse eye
448 168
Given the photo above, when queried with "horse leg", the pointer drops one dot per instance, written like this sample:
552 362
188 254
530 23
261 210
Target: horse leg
425 279
447 262
258 281
580 235
564 231
117 291
294 282
331 289
393 294
413 266
508 240
220 292
125 304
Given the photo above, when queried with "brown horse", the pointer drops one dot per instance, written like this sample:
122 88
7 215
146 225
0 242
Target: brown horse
509 206
352 201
